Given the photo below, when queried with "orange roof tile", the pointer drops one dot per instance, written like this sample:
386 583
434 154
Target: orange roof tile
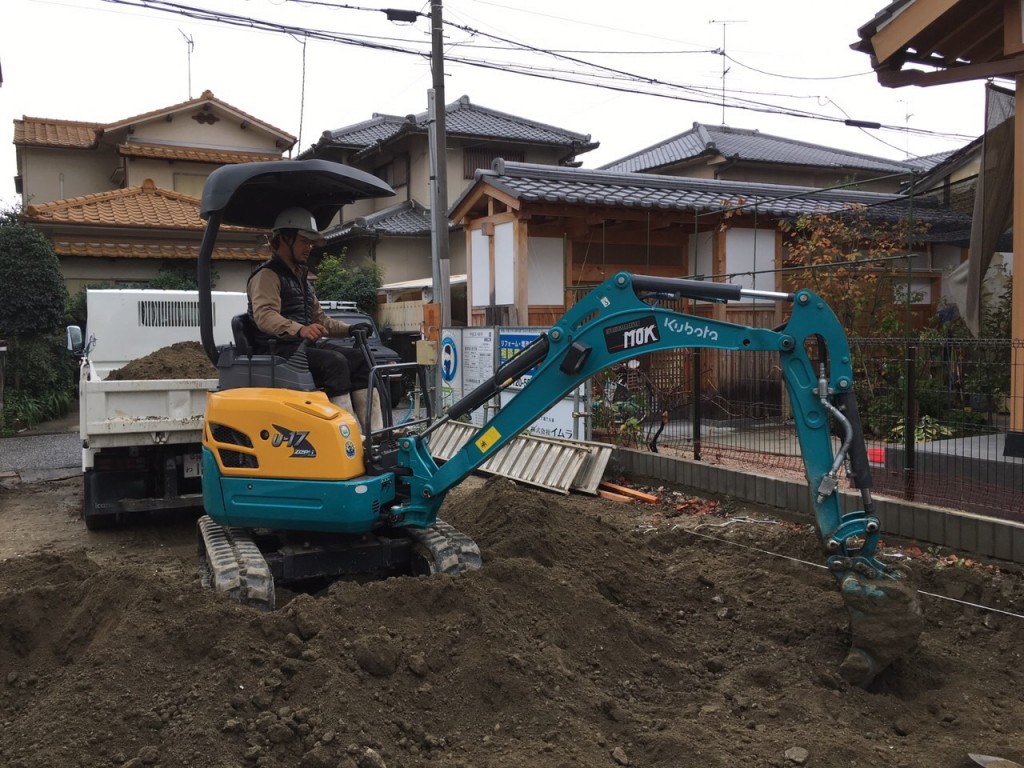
206 97
42 132
124 250
219 157
147 206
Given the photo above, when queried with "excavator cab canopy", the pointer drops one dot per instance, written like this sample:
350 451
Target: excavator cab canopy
253 194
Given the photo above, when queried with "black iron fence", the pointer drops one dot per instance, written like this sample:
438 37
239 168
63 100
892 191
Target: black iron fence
935 413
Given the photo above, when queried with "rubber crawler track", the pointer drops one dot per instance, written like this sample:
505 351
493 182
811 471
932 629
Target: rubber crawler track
449 550
230 562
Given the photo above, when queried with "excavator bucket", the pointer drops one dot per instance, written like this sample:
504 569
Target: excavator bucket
885 624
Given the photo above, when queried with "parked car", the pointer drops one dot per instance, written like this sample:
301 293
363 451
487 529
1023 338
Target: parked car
348 313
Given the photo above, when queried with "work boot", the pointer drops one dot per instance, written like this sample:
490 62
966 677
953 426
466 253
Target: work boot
344 402
359 397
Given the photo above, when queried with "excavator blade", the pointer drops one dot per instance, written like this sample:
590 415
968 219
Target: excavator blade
885 623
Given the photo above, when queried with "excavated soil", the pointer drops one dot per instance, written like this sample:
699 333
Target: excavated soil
597 633
182 360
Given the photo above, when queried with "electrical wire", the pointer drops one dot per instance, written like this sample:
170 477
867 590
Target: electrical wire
596 76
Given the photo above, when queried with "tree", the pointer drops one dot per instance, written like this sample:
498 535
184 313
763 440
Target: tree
32 292
854 262
33 300
335 281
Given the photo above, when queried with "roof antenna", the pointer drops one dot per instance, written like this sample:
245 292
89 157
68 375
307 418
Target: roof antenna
725 69
191 45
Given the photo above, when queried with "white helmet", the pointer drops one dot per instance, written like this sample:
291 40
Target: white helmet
301 220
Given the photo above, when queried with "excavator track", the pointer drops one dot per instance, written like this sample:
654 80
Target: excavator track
230 562
446 550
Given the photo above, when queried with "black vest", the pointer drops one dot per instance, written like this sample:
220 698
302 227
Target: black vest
297 299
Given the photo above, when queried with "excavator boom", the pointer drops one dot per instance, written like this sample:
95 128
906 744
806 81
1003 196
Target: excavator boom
615 322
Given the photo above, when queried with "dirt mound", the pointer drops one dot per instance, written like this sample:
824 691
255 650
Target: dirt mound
596 634
183 360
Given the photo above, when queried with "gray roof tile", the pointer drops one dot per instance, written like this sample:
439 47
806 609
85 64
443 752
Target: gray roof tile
462 118
409 219
752 146
529 182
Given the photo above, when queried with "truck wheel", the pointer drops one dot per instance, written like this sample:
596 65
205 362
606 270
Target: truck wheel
101 489
99 522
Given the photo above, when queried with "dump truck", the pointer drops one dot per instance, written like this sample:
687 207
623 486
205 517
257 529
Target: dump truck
141 438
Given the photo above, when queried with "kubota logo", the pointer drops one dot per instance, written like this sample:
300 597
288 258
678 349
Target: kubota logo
301 447
684 327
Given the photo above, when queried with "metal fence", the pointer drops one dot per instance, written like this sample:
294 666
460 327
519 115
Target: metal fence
935 413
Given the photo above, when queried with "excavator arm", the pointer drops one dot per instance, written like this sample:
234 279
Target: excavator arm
614 323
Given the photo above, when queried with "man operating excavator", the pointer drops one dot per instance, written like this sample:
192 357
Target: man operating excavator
286 311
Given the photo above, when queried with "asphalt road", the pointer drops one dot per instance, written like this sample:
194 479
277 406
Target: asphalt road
40 456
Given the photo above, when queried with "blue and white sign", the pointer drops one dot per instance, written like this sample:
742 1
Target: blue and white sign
449 358
512 341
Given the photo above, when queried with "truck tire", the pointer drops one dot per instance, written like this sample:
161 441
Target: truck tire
97 510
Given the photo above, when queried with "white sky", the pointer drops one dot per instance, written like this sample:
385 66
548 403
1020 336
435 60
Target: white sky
102 61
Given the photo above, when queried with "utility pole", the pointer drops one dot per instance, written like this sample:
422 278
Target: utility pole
439 169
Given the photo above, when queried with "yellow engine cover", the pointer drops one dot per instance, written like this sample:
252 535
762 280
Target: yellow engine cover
262 432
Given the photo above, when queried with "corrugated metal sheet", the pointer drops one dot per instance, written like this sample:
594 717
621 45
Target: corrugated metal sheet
556 465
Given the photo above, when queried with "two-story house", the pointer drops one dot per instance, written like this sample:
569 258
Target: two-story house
737 154
120 201
396 234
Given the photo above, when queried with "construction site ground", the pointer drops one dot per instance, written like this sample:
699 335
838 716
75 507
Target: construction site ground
687 632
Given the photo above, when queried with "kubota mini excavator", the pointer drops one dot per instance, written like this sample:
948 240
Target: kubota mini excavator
294 492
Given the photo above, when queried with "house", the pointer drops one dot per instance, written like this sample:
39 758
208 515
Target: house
735 154
534 233
120 201
927 44
396 235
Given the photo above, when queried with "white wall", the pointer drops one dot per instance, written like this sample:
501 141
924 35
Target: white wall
750 258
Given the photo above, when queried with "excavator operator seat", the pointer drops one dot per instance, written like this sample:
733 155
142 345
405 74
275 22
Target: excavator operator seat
239 366
243 328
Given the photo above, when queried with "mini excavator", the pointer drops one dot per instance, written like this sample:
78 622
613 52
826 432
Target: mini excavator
296 492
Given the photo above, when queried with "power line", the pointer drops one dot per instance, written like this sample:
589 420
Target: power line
594 75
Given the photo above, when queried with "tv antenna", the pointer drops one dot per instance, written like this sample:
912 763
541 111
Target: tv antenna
191 44
725 68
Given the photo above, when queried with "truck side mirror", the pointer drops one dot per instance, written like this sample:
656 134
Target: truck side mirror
73 339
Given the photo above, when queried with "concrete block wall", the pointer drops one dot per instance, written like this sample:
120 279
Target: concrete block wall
962 532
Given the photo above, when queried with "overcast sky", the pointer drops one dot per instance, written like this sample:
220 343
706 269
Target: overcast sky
789 68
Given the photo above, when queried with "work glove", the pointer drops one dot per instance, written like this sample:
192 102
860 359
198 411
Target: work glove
364 327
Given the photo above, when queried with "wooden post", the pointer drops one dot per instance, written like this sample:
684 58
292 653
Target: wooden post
1015 437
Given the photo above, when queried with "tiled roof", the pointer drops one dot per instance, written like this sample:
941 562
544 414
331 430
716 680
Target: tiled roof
408 219
132 250
751 146
145 207
378 128
219 157
462 118
925 163
207 97
46 132
69 134
531 183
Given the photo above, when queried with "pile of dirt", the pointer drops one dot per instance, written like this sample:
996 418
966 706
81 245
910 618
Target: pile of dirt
596 634
183 360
